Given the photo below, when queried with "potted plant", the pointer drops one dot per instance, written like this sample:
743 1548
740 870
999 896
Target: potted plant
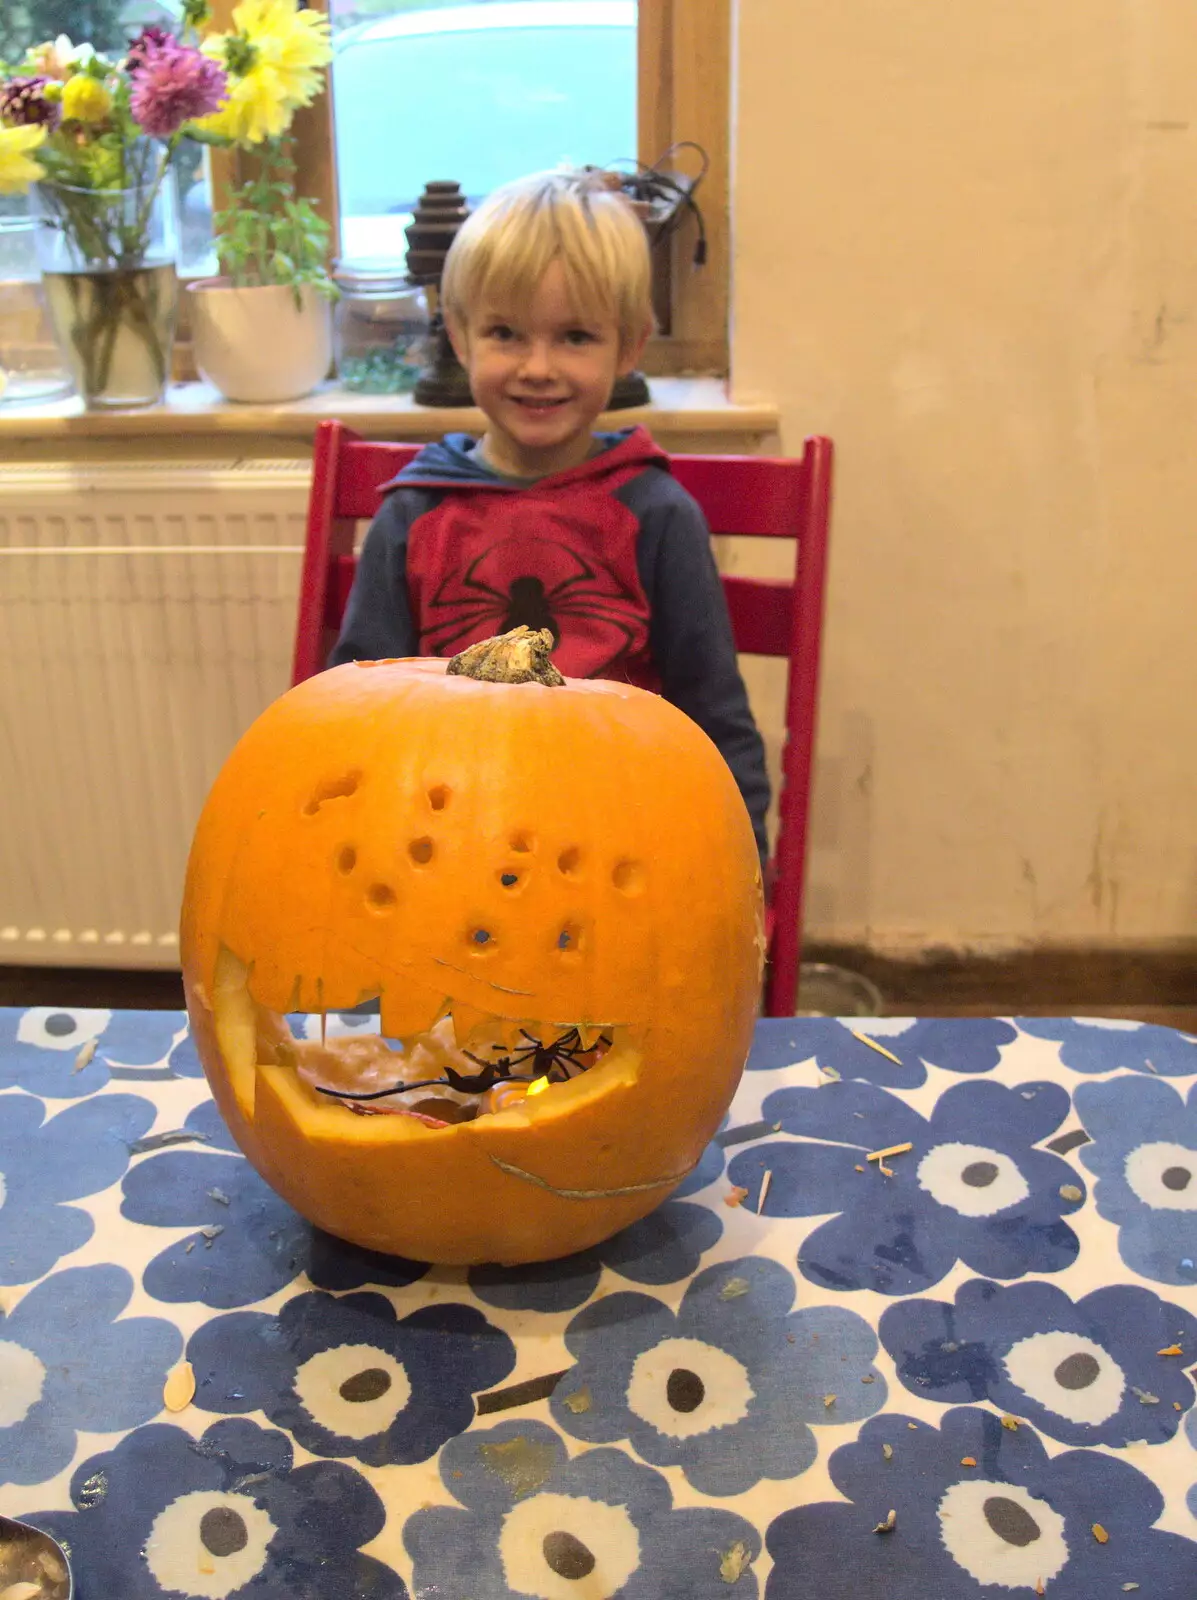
96 139
263 330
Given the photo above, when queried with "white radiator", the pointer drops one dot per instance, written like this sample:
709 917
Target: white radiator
146 616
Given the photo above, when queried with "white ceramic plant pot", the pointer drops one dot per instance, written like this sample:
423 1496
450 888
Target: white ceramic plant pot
256 343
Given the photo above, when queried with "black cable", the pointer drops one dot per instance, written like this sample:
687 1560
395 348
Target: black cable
650 182
403 1088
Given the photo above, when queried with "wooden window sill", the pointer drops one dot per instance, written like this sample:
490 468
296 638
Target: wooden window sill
695 408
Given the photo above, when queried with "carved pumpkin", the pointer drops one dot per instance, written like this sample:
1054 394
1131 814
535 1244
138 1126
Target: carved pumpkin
551 881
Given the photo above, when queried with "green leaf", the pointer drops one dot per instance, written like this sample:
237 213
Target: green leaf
199 135
268 233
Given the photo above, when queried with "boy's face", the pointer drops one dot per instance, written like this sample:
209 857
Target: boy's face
542 377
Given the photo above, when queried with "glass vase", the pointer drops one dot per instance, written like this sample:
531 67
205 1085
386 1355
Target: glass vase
107 259
31 369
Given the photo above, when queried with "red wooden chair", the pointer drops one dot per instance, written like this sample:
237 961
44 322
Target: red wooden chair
765 497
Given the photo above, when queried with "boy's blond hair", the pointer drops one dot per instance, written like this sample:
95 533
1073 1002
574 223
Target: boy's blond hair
503 249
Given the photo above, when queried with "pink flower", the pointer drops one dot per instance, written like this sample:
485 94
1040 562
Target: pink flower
173 84
150 38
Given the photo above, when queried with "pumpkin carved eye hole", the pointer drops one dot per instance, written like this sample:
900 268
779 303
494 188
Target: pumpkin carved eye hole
628 877
332 789
346 860
481 938
569 940
522 844
568 861
421 851
509 879
438 798
380 896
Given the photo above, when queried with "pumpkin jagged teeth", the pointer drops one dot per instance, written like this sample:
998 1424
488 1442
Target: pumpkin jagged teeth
550 1032
467 1020
309 995
513 1035
274 987
410 1009
315 997
589 1034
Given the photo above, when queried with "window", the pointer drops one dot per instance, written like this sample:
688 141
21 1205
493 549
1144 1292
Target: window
484 91
481 93
27 22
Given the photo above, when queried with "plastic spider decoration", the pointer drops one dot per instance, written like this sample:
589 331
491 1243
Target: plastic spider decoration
557 1061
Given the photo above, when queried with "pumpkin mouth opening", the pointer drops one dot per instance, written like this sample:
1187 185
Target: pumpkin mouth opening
431 1076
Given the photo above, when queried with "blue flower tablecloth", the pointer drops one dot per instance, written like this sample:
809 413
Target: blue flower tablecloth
960 1370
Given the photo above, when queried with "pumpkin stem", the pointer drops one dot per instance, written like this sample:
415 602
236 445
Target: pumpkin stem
521 656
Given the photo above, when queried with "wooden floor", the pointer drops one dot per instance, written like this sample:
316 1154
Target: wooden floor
960 990
91 986
1144 984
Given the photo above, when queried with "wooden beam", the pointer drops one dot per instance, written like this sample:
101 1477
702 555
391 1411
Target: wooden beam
222 164
314 128
701 45
654 71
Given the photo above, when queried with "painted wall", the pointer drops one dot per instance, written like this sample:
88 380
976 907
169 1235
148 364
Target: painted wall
966 247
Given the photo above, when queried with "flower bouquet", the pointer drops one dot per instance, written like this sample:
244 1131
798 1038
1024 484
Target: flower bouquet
263 331
96 139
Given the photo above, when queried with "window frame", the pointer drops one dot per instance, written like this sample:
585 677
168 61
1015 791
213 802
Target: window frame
684 49
683 92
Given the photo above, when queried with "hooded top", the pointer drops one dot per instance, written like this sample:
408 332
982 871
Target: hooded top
613 556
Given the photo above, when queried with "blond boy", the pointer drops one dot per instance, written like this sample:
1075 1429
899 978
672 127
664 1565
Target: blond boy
542 520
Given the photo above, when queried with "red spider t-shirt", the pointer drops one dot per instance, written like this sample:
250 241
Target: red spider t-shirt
613 556
558 554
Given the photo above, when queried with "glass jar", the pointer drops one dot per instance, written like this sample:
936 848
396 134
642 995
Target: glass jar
31 368
380 329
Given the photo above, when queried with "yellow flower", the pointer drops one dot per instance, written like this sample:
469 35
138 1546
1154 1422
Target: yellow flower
294 43
85 99
275 56
255 109
18 169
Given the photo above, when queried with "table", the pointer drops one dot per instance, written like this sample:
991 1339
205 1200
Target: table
960 1369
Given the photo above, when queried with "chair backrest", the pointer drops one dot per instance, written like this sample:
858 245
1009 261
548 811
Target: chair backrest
766 497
